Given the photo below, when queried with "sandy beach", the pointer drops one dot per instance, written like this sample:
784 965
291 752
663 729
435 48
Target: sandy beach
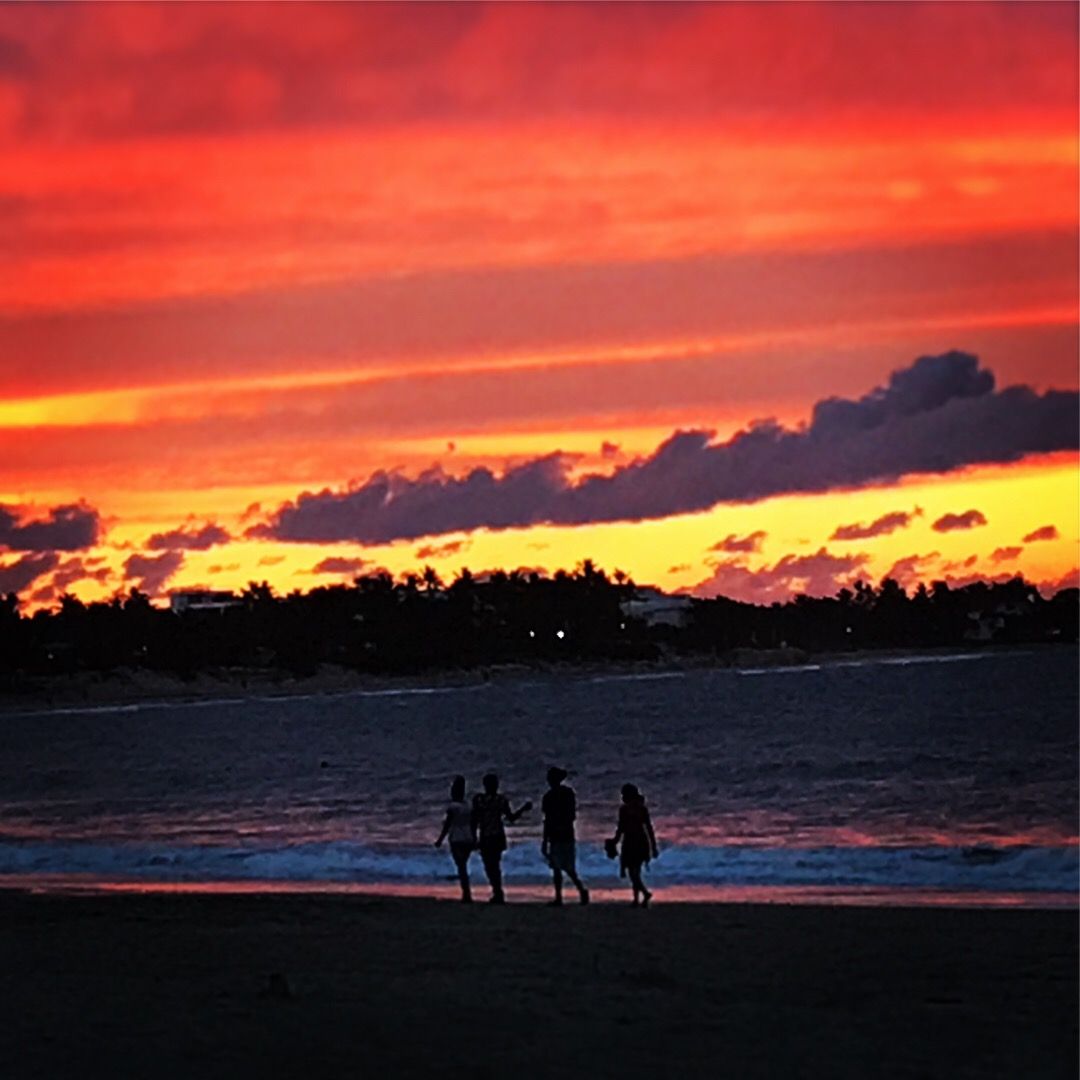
326 986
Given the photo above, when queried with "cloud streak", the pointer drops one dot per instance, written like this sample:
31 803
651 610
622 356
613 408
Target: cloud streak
733 543
937 415
336 564
189 539
881 526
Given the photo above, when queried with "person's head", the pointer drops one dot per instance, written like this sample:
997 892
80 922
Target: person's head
457 789
491 783
630 793
555 776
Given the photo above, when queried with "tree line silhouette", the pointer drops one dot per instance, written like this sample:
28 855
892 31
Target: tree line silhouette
384 626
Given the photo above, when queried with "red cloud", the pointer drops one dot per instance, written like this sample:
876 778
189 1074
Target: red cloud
820 574
882 526
1005 554
732 543
162 68
1046 532
970 519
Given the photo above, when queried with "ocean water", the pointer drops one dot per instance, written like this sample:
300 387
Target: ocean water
951 777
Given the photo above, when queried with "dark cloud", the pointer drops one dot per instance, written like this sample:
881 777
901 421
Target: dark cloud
970 519
1045 532
733 543
64 528
882 526
189 538
1005 554
337 565
150 573
440 551
820 574
16 576
937 415
910 570
679 569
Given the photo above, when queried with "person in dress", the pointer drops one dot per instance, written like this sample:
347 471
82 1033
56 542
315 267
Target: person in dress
458 828
635 830
490 810
557 847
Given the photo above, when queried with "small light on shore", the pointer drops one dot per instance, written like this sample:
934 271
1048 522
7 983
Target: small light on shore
560 634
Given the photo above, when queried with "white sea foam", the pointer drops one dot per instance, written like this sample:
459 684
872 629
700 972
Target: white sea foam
867 661
1022 869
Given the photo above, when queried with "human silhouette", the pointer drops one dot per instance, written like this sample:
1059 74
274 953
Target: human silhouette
489 811
560 809
635 830
457 825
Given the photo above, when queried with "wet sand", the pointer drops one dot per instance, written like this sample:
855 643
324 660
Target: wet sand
346 986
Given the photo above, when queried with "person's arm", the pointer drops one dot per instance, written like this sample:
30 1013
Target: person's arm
544 839
445 829
618 827
513 815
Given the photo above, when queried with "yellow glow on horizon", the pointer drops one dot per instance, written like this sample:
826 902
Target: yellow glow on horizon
1016 500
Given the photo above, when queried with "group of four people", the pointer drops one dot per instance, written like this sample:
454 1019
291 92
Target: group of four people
481 826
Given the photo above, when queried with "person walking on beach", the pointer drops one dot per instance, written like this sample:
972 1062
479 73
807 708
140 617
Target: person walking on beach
458 827
635 830
558 848
489 811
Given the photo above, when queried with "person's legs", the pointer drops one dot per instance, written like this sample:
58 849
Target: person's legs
461 860
634 870
563 859
583 893
556 877
492 858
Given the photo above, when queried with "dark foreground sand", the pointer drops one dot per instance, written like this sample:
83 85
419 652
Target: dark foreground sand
177 986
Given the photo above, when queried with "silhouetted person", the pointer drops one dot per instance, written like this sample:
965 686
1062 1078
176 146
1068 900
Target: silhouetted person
557 847
459 828
489 811
638 840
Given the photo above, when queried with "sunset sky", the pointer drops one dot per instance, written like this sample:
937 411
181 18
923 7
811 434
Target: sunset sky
740 299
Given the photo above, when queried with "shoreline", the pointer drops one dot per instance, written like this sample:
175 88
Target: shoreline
141 688
533 894
283 986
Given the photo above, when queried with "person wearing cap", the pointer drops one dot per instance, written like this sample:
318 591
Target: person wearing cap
557 847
